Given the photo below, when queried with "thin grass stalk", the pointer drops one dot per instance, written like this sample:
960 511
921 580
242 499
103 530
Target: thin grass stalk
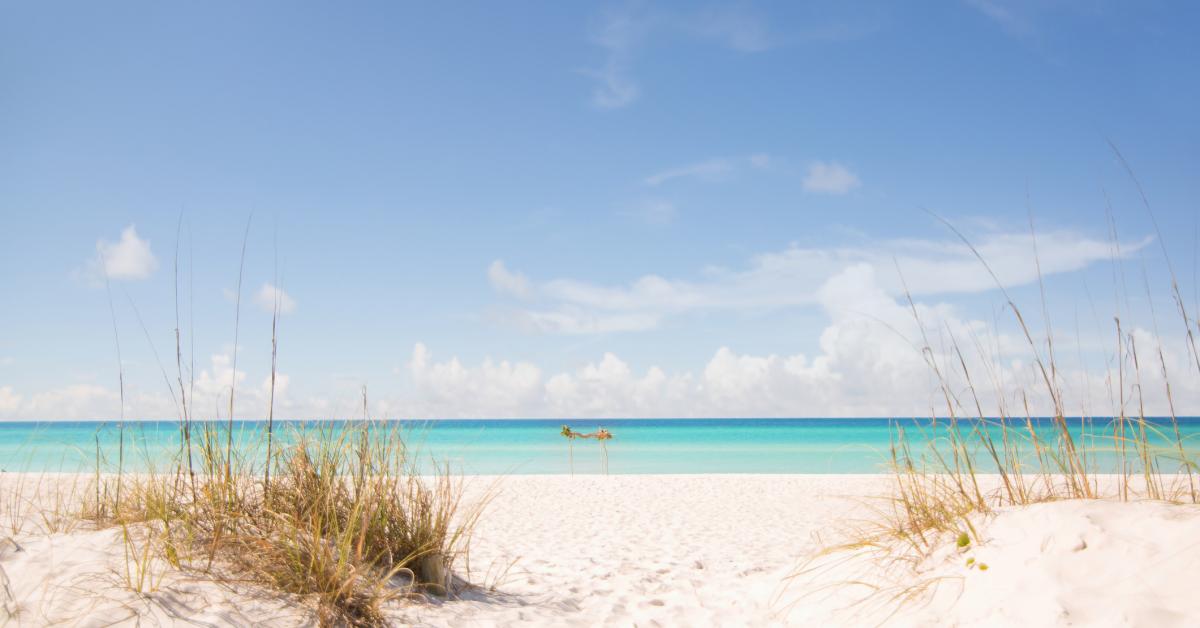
1149 472
984 436
185 424
233 378
1175 292
120 378
274 369
1162 362
1077 476
958 449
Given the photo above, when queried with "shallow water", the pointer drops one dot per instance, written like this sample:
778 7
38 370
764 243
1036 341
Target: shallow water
523 446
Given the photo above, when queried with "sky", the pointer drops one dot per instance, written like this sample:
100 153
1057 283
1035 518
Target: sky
596 210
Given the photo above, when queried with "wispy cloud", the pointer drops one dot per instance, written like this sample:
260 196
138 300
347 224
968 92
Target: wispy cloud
795 277
1005 16
705 170
129 258
830 178
709 170
732 27
614 88
507 282
619 34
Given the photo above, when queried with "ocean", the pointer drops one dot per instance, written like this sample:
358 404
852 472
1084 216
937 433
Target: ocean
535 446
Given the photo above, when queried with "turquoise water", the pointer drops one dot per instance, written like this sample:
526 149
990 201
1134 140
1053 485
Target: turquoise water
535 446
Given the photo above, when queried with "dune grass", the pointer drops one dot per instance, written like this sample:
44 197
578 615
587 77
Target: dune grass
339 514
960 465
957 467
938 485
345 519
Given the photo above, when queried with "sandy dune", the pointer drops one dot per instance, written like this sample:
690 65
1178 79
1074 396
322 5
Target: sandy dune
691 550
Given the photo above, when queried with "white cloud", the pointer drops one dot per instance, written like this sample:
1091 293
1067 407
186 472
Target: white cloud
212 386
9 400
611 388
76 401
129 258
830 178
793 277
507 282
869 362
216 381
575 320
492 389
210 398
269 294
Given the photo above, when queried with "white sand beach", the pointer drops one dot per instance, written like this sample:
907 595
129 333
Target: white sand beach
693 550
633 313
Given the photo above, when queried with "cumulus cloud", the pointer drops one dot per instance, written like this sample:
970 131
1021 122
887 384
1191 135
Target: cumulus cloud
75 401
208 398
129 258
792 277
872 360
9 400
268 295
507 282
829 178
872 357
448 389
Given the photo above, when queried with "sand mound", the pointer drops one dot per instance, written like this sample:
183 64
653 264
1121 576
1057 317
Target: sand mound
1069 563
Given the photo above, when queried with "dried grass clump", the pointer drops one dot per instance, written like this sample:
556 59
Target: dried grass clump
344 520
338 513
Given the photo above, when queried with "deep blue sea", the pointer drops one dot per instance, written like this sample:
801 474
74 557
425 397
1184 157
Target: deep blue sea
490 446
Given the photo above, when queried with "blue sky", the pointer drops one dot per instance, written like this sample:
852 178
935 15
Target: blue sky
615 209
